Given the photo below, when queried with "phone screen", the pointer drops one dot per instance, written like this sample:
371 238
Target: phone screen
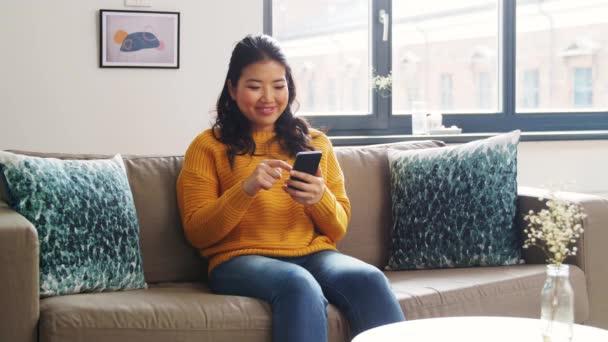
307 161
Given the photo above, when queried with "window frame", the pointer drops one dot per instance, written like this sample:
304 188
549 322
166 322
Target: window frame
382 122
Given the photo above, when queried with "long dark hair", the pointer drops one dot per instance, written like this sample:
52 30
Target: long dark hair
232 128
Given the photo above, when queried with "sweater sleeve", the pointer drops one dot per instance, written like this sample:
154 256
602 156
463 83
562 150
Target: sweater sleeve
332 213
207 216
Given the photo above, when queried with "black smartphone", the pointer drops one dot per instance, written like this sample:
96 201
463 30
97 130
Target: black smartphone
307 161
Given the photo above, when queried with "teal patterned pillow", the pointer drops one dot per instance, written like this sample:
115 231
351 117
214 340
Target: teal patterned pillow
87 226
455 206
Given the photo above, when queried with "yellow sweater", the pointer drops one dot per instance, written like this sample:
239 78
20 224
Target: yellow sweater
223 221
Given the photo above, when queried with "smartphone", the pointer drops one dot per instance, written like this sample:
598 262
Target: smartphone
307 161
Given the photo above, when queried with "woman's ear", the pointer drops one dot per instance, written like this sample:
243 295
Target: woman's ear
231 89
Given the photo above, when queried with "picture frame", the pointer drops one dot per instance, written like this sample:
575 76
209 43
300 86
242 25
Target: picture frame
138 39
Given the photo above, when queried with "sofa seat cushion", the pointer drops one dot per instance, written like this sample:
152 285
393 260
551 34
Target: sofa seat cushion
189 312
166 312
487 291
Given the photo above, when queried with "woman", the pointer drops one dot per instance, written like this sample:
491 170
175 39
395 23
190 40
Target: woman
264 239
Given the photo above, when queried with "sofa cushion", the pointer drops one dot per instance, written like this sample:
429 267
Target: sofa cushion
480 291
189 312
455 206
85 218
367 177
3 193
62 156
167 312
167 256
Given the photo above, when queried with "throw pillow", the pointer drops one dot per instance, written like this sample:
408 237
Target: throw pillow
84 213
455 206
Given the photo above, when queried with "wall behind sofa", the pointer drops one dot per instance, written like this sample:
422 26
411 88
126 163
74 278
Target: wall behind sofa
570 165
54 96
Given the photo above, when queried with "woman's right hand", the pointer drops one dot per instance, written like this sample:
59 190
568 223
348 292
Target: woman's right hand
265 175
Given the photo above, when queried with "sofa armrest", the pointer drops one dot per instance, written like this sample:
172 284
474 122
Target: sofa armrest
19 277
593 247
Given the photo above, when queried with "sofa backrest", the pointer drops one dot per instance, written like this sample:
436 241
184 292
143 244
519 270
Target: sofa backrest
367 180
167 255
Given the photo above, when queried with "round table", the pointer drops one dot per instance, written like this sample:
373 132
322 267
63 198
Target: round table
472 329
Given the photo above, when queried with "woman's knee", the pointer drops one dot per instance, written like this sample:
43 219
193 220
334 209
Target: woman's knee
302 284
376 277
368 278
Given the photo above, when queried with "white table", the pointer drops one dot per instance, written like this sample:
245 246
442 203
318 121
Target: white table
472 329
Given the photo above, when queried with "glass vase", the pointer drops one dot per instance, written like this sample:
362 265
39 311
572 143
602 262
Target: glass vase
557 305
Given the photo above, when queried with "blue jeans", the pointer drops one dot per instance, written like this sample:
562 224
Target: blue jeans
298 289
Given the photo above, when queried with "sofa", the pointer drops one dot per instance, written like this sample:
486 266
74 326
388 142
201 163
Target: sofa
178 306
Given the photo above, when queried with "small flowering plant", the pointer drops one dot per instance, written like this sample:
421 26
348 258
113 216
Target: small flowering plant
383 84
555 229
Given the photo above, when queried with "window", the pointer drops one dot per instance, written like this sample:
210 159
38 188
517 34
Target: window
500 64
566 38
582 87
445 87
331 95
483 90
529 88
334 37
310 94
461 36
355 88
412 92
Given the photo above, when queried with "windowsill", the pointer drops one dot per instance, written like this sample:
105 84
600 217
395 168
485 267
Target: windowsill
466 137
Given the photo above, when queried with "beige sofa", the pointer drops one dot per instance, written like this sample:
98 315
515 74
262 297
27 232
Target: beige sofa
179 307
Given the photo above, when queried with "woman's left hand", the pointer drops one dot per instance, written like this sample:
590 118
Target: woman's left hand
309 191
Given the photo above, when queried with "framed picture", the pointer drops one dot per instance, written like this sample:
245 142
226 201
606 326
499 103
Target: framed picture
138 39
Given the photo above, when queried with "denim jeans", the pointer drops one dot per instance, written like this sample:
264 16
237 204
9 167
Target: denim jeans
298 290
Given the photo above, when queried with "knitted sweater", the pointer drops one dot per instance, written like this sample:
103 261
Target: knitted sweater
223 221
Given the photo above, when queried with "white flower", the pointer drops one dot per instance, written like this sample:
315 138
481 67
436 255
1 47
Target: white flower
382 83
558 226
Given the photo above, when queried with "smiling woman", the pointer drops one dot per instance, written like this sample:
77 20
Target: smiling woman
261 94
257 71
268 235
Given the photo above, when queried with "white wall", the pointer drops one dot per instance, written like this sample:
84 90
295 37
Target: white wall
54 96
565 165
